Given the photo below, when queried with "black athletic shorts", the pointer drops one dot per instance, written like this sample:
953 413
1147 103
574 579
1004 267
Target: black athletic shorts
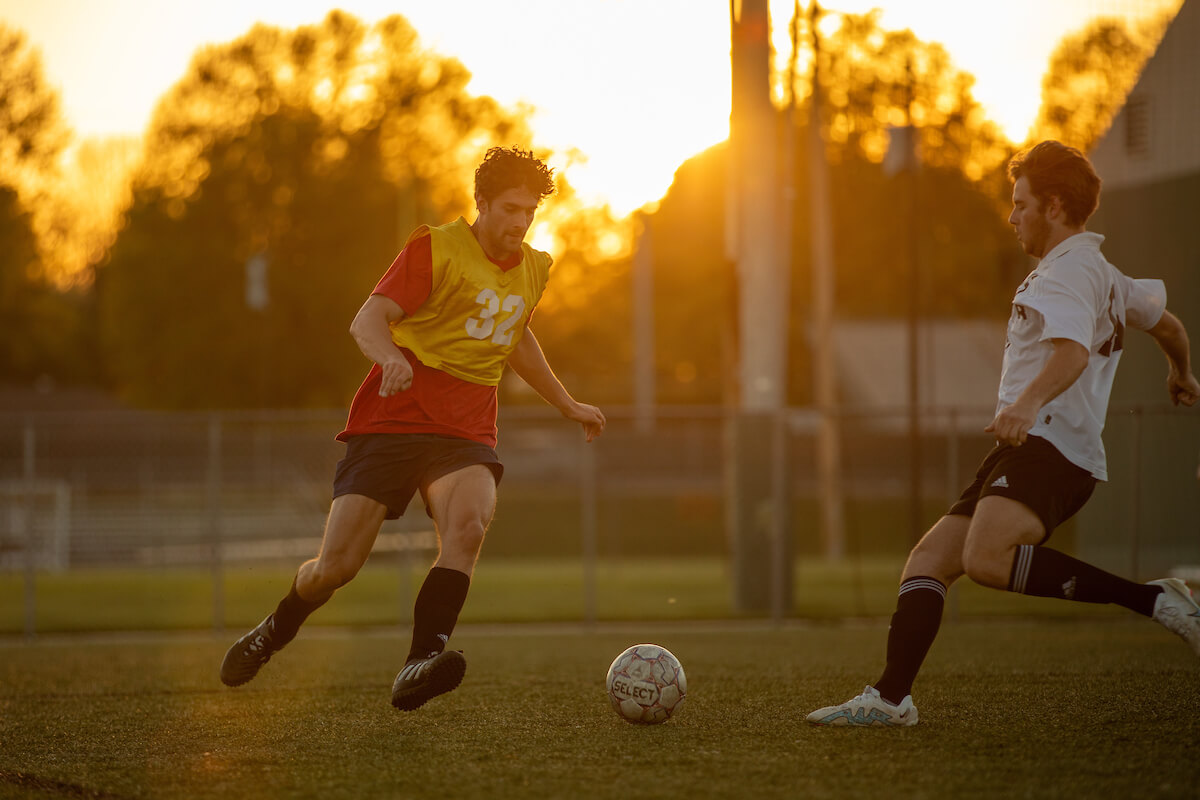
390 468
1034 474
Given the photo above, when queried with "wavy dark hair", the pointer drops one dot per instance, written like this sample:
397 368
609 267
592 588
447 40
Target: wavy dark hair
505 168
1054 169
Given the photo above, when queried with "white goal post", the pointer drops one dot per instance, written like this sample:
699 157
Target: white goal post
35 518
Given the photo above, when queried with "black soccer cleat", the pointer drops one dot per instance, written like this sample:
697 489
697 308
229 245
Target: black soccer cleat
426 678
249 653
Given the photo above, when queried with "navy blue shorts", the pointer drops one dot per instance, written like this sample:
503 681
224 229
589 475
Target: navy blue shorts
1034 474
390 468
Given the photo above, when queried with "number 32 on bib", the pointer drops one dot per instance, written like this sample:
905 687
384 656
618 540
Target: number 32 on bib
486 325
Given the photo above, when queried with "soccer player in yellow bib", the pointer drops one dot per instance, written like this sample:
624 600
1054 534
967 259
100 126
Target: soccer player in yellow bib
439 327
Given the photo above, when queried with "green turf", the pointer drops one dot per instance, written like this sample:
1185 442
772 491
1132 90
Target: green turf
1090 708
503 590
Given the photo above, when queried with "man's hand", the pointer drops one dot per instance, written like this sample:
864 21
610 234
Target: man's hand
1012 424
1183 388
397 375
1066 363
590 417
1172 338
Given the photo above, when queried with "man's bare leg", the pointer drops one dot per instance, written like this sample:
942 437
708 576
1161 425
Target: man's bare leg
350 532
462 503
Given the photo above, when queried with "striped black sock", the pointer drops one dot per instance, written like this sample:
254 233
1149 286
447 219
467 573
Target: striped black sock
914 627
1042 572
436 611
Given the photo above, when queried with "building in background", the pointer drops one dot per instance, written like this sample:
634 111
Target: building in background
1149 213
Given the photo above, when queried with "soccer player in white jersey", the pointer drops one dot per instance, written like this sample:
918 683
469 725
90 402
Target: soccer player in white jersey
1065 337
439 328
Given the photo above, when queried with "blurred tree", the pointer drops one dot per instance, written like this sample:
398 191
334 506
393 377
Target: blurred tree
19 350
969 260
41 328
583 322
79 211
873 79
32 130
695 297
316 150
949 216
1089 76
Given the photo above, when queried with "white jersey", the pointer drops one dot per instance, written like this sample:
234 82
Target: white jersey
1074 293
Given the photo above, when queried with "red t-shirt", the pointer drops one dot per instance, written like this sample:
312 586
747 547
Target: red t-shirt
436 403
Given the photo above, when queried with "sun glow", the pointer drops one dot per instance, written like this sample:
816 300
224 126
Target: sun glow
623 91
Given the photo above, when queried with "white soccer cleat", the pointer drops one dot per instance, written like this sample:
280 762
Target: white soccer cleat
1176 611
866 710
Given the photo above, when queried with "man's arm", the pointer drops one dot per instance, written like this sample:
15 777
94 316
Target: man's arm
1172 338
372 332
1065 365
529 362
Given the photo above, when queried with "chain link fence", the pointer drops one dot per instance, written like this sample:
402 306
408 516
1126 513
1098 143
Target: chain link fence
141 490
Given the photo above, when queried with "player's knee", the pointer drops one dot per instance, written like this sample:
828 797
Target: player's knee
473 533
986 566
976 569
934 562
334 572
467 535
924 552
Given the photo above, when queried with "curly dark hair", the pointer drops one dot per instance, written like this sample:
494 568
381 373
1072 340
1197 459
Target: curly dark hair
1055 170
505 168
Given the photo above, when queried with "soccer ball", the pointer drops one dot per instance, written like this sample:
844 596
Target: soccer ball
646 684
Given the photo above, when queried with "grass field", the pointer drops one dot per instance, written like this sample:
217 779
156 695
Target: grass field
503 590
1050 708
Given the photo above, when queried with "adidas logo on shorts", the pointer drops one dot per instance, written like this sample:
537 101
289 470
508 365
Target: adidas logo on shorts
1001 482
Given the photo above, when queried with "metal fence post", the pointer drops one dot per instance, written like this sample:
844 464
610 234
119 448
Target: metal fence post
213 501
25 523
588 514
779 528
1135 482
952 489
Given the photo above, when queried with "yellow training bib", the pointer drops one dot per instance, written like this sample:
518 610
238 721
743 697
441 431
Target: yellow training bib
476 312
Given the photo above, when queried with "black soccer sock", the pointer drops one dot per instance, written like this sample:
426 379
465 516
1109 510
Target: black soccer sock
290 615
436 611
914 627
1042 572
